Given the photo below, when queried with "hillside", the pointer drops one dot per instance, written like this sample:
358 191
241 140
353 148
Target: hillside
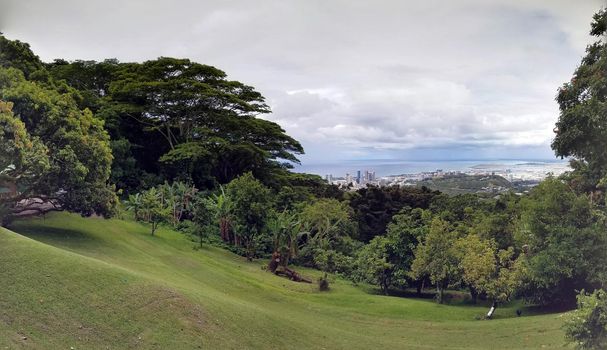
463 183
68 282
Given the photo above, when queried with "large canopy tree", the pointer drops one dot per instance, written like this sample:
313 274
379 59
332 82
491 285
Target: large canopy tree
581 131
181 119
17 54
22 160
77 147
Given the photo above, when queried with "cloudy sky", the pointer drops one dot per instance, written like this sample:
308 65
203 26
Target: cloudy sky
350 79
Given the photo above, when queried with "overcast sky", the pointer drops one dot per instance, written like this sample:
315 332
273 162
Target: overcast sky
451 79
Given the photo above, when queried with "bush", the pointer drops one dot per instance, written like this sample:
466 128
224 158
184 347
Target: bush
587 326
323 283
333 261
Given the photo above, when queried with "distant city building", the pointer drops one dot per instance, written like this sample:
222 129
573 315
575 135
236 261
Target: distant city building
348 179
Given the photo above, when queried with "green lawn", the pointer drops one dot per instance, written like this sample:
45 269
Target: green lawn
67 281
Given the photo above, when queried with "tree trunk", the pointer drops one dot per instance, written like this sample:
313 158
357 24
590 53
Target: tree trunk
153 227
492 310
473 294
291 274
420 288
274 262
439 293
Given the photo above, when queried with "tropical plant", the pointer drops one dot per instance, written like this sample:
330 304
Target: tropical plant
286 230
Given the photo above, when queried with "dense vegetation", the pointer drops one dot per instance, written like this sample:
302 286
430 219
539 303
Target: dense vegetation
78 282
183 146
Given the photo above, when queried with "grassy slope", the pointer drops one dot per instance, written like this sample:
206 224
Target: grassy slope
107 284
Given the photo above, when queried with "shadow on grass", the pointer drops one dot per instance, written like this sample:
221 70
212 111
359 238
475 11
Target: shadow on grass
35 229
546 309
462 298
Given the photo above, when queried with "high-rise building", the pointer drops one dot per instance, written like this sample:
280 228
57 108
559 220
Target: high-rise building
358 179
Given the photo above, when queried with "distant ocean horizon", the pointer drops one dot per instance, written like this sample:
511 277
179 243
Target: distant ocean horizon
387 167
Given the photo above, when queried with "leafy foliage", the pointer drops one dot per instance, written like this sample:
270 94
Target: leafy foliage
79 155
435 257
374 206
564 242
580 130
250 202
373 263
587 326
23 159
181 120
286 230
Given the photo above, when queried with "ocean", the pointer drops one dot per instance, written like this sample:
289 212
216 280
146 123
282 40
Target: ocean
397 167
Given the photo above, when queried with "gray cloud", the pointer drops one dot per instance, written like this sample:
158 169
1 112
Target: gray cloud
358 78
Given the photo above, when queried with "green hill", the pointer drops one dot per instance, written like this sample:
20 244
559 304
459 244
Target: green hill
463 183
68 281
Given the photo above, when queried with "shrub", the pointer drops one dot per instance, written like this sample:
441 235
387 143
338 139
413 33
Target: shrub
323 283
587 326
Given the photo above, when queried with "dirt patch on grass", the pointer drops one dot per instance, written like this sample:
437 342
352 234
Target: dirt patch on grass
159 299
161 310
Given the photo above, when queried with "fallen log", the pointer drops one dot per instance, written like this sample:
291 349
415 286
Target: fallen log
276 266
291 274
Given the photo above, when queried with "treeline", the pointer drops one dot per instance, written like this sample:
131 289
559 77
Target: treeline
543 247
75 134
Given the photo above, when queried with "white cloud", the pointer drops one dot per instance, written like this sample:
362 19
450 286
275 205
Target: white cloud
356 77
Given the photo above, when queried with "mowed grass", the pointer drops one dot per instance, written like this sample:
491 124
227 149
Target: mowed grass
67 281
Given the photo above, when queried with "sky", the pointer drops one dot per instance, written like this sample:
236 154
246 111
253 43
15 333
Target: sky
351 79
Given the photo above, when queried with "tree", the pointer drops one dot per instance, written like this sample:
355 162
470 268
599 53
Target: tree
203 215
373 263
587 326
153 210
201 117
329 229
17 54
436 258
375 206
221 207
485 269
286 229
407 229
327 220
23 160
581 130
177 197
250 203
79 156
564 241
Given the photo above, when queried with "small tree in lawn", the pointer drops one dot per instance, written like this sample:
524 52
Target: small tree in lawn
203 216
587 326
152 208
